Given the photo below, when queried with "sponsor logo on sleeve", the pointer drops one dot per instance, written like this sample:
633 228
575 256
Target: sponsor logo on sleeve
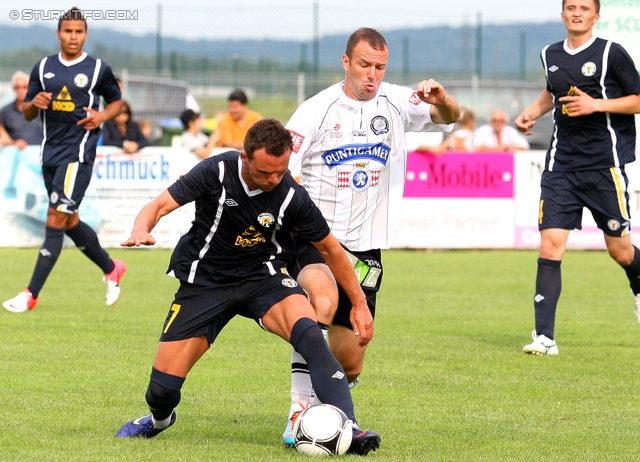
415 99
297 141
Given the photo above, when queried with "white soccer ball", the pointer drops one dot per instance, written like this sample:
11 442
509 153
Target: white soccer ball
322 430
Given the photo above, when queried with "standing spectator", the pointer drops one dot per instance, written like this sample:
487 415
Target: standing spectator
14 128
461 140
124 132
593 89
233 125
350 154
228 266
192 138
65 89
497 136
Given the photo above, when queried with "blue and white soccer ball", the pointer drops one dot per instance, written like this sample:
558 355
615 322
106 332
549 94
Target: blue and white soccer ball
322 430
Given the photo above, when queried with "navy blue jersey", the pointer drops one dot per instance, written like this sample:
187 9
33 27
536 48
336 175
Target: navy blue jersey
602 69
233 235
75 84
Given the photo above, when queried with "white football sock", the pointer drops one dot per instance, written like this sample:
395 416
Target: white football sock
160 424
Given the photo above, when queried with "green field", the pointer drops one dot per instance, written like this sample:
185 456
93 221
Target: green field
444 380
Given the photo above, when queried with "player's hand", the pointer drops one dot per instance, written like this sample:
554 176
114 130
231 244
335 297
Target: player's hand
524 123
431 92
42 100
93 120
138 238
580 105
362 323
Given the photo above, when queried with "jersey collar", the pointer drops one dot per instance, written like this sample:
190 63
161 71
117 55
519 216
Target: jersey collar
580 48
75 61
244 185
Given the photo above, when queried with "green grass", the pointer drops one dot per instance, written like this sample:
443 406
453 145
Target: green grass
444 380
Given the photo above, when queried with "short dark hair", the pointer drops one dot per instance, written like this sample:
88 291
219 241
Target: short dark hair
238 95
595 2
73 14
187 116
270 135
374 38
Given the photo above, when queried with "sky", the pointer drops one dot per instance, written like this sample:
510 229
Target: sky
278 19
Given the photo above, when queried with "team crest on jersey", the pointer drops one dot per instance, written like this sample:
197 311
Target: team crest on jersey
290 283
266 219
588 69
358 179
54 197
250 237
81 80
613 225
379 125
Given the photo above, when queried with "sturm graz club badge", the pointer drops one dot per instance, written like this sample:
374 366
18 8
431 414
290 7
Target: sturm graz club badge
379 125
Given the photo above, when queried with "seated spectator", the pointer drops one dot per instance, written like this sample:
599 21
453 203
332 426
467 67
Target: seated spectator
123 132
498 136
461 140
192 138
233 125
14 128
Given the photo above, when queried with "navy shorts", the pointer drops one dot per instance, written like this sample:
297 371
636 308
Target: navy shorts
66 185
368 267
604 192
201 310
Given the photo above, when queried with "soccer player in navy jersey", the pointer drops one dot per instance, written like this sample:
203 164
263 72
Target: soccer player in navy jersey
232 262
593 89
65 90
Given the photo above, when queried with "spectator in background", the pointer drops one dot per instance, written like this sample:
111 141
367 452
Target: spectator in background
123 132
14 128
462 139
192 138
498 136
233 126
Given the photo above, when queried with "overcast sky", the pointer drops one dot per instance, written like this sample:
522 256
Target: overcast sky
277 19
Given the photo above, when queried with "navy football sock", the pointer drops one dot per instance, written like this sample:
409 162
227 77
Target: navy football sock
327 376
86 239
548 287
47 257
163 393
633 272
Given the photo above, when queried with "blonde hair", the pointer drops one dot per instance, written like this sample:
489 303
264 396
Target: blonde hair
17 76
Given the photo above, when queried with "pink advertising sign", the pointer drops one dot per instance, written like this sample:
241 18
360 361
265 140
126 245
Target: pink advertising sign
462 175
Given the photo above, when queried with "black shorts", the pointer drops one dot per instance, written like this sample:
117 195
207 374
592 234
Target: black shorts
66 185
200 310
604 192
368 267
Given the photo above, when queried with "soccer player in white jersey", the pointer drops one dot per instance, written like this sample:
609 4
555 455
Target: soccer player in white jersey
593 89
350 154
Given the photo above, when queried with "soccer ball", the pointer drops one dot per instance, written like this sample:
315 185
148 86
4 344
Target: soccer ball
322 430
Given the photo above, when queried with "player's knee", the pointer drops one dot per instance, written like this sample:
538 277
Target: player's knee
163 393
325 307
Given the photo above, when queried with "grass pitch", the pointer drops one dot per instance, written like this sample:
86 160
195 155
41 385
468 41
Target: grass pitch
444 380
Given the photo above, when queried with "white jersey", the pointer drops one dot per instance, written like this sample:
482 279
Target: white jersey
351 158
